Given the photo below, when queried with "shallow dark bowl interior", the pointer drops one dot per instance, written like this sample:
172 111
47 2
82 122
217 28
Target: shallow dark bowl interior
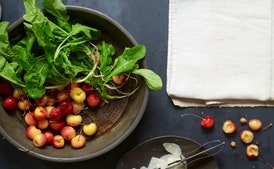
128 111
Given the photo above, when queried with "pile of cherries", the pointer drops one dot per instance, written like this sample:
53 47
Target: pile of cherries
56 118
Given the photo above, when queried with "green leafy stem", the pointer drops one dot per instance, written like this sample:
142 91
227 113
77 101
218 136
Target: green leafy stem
54 51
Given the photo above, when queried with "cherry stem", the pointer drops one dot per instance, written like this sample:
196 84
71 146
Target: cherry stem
266 127
81 131
267 163
78 137
187 114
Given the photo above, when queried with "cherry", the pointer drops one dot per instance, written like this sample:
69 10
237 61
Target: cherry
51 92
72 85
6 89
42 101
10 103
62 95
57 125
206 122
55 114
87 88
66 107
121 79
93 100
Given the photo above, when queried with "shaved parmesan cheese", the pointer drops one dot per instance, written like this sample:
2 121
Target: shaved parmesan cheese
173 148
175 154
157 163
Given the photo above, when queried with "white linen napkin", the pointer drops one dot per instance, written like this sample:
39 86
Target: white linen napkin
220 52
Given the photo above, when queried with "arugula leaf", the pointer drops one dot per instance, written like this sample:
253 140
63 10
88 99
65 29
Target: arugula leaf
107 51
22 51
63 57
4 40
21 58
127 61
7 70
56 8
76 30
32 10
71 66
56 77
44 30
35 79
153 80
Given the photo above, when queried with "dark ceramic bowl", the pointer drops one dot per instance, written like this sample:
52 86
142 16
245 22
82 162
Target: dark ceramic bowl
116 120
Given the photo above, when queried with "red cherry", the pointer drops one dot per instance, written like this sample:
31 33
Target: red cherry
88 88
10 103
121 79
6 89
72 85
66 107
93 100
207 122
56 125
55 114
42 101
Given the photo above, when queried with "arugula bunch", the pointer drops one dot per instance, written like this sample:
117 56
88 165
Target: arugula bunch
55 52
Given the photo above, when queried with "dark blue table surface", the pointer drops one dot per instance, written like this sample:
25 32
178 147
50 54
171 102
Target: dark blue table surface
147 21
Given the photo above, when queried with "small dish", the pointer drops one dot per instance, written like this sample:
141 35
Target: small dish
141 154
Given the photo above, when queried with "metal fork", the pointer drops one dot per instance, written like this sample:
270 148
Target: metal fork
185 160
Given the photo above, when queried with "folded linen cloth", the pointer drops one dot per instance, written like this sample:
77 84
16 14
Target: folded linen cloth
220 53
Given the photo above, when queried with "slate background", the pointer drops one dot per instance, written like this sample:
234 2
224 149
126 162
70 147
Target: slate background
147 21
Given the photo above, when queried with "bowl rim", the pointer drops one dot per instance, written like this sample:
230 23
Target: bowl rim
123 136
